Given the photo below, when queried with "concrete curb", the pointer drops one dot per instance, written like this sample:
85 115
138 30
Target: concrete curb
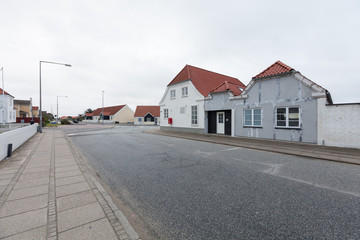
303 150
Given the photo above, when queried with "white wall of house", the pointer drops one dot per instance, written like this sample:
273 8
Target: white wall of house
338 124
125 115
141 121
179 108
7 111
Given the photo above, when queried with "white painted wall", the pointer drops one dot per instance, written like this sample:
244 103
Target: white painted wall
338 125
182 120
7 111
17 137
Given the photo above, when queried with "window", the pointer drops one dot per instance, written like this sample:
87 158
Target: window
288 117
172 94
252 117
166 113
194 115
139 119
184 92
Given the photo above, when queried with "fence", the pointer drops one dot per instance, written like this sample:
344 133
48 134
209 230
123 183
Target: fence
15 137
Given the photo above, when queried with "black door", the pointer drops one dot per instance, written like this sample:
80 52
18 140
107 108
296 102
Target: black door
211 122
227 122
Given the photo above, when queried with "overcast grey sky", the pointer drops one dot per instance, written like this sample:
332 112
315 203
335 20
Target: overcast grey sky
133 49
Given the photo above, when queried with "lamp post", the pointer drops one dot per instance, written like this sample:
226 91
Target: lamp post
103 107
57 108
3 93
64 64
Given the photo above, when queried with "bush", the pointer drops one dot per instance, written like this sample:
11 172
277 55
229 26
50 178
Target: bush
64 122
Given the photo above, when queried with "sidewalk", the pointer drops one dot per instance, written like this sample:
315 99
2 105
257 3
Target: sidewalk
47 192
345 155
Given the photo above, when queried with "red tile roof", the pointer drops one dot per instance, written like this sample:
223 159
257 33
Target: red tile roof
275 69
35 108
141 111
88 114
203 80
229 86
6 93
108 110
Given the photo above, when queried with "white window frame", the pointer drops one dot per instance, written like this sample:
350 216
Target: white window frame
184 91
166 113
287 120
194 117
172 94
252 124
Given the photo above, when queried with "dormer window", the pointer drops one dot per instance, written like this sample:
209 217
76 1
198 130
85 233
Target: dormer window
172 94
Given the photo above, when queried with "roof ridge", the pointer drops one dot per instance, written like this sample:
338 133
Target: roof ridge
285 69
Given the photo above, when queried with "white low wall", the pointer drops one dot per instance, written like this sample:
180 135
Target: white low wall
338 125
17 137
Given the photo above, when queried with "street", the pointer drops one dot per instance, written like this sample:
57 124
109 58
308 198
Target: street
184 189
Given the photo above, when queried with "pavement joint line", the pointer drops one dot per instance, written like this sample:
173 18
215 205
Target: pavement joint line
69 229
77 206
23 232
51 231
15 179
104 199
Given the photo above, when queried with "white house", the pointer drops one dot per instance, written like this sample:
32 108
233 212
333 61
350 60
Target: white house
113 114
147 115
7 111
182 105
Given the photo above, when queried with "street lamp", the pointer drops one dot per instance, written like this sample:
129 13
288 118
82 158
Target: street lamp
57 108
64 64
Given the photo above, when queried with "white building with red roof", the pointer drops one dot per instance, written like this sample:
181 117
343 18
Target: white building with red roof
147 115
182 105
7 111
113 114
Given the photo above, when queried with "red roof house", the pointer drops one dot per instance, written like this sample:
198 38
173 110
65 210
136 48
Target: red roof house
147 115
203 80
114 114
182 106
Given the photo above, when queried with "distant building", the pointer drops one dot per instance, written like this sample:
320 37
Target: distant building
113 114
23 108
147 115
7 112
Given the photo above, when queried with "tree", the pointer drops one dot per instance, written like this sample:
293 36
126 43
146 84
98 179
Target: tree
89 110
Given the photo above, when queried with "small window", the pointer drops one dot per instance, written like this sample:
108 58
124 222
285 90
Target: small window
252 117
194 115
184 92
172 94
166 113
288 117
139 119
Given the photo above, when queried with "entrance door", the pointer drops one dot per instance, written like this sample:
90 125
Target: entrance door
220 126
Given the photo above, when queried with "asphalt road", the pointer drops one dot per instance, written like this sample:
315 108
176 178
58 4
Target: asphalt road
186 189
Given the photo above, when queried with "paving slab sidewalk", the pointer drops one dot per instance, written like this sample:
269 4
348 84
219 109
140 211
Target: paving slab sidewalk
47 192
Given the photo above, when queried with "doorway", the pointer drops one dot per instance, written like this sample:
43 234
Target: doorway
220 126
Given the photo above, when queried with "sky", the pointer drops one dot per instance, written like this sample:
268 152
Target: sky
132 49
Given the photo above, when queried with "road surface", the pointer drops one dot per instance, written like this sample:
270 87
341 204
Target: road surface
185 189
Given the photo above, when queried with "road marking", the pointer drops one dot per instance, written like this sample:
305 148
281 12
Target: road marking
230 149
